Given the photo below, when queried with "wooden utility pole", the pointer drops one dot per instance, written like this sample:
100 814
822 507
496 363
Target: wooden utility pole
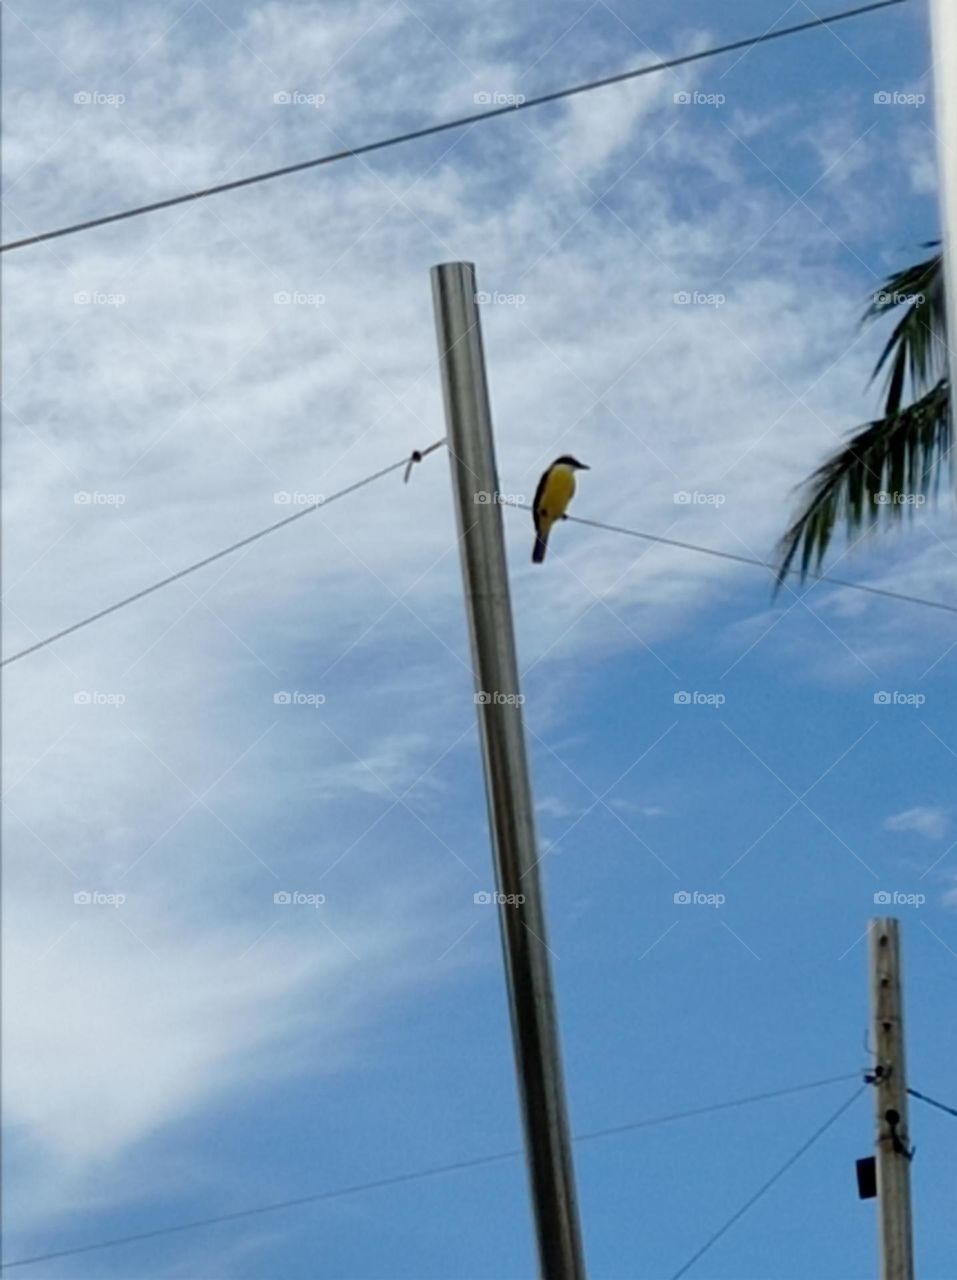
893 1145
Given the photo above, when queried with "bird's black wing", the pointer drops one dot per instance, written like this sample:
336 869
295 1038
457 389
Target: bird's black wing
539 494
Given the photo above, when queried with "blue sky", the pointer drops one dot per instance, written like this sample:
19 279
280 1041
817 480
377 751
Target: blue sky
199 1048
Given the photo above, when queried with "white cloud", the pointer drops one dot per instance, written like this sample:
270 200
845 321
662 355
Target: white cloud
657 396
924 819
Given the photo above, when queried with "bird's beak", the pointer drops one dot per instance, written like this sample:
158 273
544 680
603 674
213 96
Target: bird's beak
582 466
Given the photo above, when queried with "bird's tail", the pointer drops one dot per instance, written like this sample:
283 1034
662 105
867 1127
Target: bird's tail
538 555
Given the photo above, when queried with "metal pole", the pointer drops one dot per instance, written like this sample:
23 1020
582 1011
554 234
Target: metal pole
944 47
511 816
890 1090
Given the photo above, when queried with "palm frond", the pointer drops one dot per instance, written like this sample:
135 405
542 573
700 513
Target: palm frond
875 477
917 347
902 452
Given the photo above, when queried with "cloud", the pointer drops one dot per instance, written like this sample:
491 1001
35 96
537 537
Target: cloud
199 397
925 820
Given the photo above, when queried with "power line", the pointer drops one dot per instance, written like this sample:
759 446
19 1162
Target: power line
400 1178
459 123
406 462
941 1106
752 560
770 1182
217 555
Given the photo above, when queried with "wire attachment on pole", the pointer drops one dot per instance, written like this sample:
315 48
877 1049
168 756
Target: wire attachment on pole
417 455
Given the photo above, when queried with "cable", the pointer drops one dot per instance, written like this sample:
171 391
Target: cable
717 1106
459 123
941 1106
770 1183
217 555
761 564
411 1177
406 462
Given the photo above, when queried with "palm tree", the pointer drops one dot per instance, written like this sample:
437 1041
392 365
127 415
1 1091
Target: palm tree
902 453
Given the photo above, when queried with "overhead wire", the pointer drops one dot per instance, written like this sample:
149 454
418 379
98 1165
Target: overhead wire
766 1186
459 123
416 1175
407 461
750 560
941 1106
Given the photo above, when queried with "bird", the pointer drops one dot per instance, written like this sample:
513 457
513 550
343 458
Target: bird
555 491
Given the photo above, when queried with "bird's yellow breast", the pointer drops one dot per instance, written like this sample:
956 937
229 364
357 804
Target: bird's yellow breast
558 493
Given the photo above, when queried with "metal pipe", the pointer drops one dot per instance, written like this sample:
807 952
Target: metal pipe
471 451
944 47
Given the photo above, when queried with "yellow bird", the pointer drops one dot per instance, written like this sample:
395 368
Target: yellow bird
555 491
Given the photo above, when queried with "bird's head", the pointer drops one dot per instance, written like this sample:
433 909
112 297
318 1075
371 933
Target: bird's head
566 460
